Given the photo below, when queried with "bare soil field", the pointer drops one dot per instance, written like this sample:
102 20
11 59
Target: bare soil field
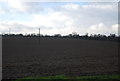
26 56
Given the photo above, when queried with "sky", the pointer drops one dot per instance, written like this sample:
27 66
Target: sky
62 18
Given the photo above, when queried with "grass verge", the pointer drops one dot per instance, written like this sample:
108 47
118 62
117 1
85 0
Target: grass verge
64 78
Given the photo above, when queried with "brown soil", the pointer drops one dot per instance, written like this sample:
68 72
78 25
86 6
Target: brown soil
25 56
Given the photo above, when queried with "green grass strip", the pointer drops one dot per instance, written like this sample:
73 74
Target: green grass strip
63 77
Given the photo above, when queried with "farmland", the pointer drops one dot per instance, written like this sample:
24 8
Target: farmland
27 56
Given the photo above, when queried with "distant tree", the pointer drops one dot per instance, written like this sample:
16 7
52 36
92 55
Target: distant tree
74 33
47 35
70 35
86 36
20 34
33 34
57 35
112 35
91 35
12 34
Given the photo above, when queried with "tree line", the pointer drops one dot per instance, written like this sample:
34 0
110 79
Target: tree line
111 37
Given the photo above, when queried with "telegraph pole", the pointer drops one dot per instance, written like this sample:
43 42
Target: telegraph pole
9 31
39 35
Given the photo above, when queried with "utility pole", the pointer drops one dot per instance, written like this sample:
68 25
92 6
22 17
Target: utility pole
9 31
39 35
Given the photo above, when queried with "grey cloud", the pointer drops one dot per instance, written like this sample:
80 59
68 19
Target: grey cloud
28 7
34 7
44 27
72 0
88 16
19 27
82 18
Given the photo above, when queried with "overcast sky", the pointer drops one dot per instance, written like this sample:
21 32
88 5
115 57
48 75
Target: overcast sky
58 17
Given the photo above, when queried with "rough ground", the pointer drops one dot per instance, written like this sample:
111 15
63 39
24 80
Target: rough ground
25 56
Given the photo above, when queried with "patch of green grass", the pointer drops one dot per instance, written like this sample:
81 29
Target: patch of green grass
81 78
59 77
100 77
49 77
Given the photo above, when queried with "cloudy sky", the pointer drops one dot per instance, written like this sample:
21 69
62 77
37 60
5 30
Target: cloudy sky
58 17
